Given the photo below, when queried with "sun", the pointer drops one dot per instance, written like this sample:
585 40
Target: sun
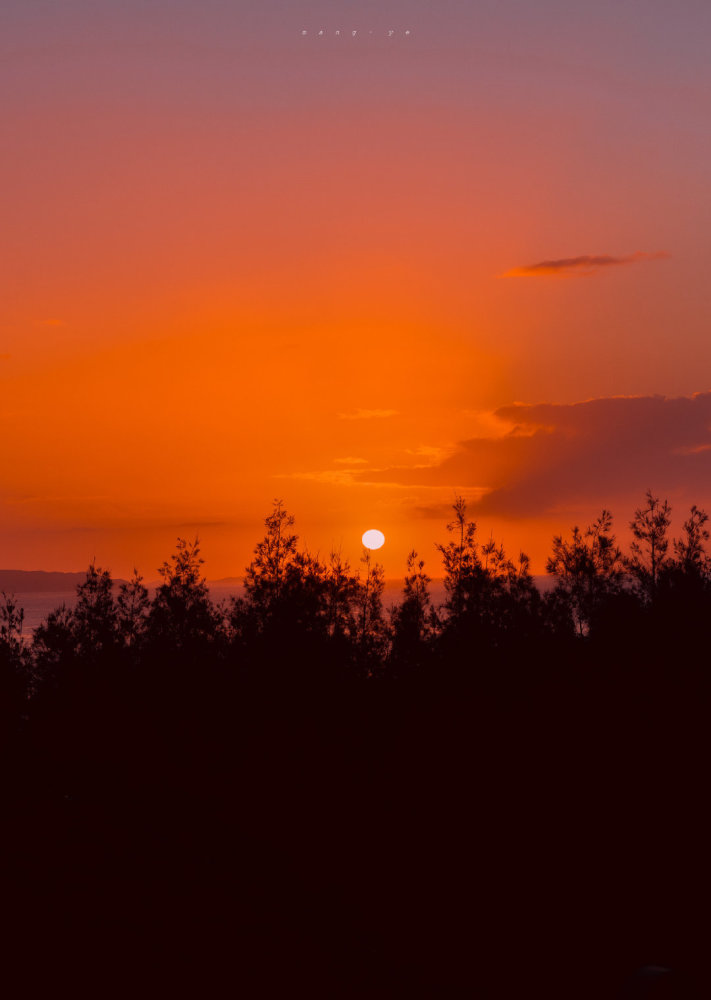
373 539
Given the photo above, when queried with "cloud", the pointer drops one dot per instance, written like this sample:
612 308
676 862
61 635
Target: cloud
350 461
557 457
442 510
431 454
579 266
367 414
334 477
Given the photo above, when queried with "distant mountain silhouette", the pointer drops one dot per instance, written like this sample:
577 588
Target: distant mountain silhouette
23 581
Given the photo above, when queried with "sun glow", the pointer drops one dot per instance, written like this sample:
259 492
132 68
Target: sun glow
373 539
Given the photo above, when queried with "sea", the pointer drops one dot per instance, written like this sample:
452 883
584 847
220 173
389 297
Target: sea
38 604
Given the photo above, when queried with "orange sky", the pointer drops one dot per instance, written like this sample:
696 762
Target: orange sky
239 263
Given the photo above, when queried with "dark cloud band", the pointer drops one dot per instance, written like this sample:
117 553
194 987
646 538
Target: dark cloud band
555 456
586 264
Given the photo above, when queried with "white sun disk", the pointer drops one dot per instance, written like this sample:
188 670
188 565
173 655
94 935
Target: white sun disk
373 539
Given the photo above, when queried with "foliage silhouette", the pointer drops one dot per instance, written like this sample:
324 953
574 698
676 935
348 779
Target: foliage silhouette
460 558
132 610
412 622
372 628
15 663
649 548
182 617
588 570
95 625
305 619
196 790
690 553
266 575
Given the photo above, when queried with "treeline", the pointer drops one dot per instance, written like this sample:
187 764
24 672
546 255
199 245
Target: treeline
302 790
302 619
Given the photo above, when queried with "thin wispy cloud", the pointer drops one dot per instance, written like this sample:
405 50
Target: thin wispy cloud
343 477
333 477
430 453
367 414
580 266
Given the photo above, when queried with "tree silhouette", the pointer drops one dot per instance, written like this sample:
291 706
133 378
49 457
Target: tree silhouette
492 603
515 602
132 610
588 568
12 619
690 553
302 604
341 589
460 559
54 646
182 616
265 576
649 548
412 621
681 605
82 636
15 661
94 618
369 613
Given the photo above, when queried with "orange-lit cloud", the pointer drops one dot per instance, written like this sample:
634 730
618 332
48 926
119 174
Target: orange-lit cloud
579 266
557 457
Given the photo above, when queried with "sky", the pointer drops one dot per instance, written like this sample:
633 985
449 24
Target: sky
461 251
